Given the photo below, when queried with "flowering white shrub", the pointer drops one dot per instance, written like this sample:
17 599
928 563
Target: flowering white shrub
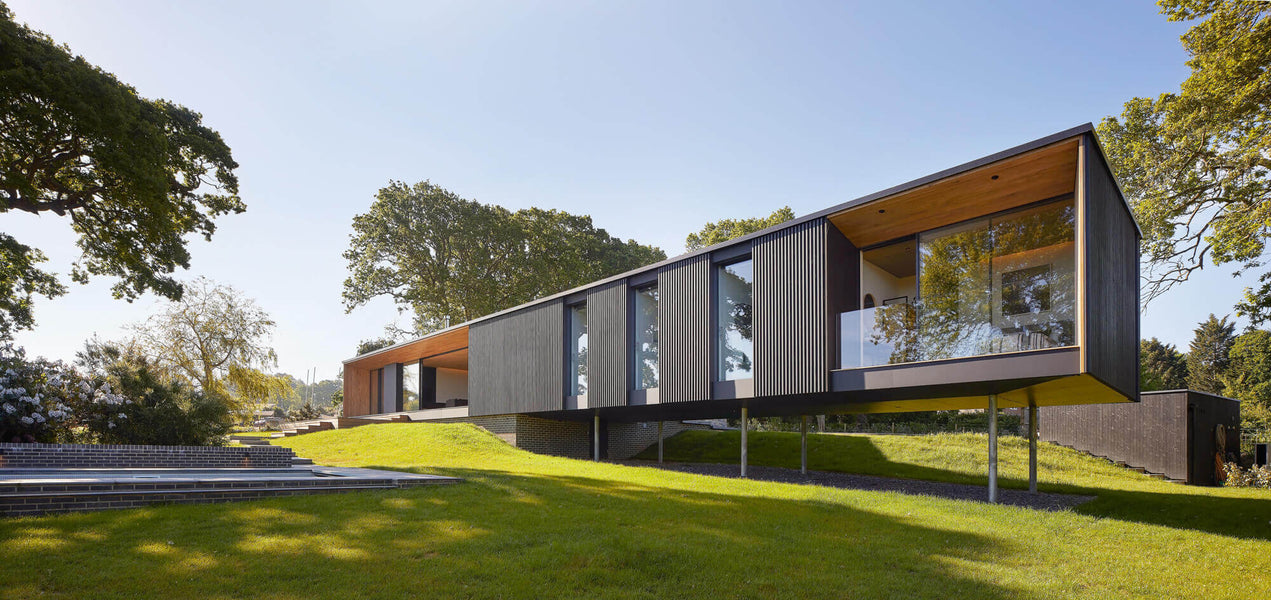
1257 476
36 396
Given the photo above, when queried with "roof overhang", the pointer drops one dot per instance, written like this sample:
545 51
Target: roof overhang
447 349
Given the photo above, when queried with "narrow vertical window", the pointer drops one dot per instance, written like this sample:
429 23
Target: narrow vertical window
577 350
410 386
734 338
644 338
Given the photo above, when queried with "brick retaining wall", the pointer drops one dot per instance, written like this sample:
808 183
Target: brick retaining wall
83 456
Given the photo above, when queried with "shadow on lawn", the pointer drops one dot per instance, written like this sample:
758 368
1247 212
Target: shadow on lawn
1177 506
497 535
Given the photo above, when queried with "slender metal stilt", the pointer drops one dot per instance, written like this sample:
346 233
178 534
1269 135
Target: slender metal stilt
596 435
993 448
803 444
659 442
1032 448
745 424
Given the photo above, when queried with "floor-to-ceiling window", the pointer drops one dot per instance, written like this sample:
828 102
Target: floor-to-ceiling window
1002 283
577 352
410 386
734 336
644 338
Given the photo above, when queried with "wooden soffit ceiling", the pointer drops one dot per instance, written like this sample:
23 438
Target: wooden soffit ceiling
448 349
1039 174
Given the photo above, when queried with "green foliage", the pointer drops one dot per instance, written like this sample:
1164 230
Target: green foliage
726 229
36 397
1194 163
1207 357
1258 476
20 281
215 339
157 411
368 346
1161 366
450 260
1248 378
134 176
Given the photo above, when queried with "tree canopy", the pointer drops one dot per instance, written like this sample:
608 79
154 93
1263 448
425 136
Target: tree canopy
1208 354
1194 163
1161 366
449 260
1248 378
134 176
727 229
216 339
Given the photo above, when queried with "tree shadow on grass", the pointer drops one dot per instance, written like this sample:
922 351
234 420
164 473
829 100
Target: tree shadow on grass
1237 513
501 535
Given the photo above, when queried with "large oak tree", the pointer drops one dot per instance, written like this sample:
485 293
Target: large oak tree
449 260
134 176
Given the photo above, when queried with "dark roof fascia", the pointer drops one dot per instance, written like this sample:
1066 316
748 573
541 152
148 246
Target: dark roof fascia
1098 147
1087 128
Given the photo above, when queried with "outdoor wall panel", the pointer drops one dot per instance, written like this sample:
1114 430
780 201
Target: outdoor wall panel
516 362
607 363
1112 280
684 329
791 311
843 285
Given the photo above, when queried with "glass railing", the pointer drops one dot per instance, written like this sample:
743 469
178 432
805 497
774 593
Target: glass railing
905 333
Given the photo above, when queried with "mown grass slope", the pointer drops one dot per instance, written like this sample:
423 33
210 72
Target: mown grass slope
528 526
963 458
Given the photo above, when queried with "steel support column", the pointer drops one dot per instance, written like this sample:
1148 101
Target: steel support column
992 448
745 424
596 436
659 442
803 444
1032 448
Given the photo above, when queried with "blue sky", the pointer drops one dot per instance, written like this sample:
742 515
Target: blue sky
629 112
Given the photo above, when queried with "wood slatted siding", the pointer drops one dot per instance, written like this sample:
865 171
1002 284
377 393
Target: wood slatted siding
1112 280
684 327
516 362
791 311
607 343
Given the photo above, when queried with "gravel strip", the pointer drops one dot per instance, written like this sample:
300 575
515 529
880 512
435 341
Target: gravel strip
954 491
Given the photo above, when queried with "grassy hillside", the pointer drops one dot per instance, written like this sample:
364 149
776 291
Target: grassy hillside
528 526
963 458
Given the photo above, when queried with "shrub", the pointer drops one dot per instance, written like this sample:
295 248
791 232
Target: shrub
36 397
1258 476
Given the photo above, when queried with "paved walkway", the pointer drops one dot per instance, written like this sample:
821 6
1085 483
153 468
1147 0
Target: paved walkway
955 491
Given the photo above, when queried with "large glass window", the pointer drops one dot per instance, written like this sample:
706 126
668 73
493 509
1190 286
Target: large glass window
577 350
644 338
410 386
1004 283
735 337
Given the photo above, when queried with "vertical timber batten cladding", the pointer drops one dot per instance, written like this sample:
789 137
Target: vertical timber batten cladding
684 330
1112 279
791 311
516 362
607 345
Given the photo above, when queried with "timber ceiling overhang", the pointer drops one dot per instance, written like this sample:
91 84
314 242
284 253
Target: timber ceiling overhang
447 349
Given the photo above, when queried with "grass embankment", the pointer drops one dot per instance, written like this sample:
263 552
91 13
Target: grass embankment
528 526
963 458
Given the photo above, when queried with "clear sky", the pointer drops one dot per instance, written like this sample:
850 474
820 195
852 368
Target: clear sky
630 112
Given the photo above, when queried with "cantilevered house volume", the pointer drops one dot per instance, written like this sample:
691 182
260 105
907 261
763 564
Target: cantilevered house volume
1011 279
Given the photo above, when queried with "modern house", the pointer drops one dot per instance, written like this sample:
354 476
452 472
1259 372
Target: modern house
1008 281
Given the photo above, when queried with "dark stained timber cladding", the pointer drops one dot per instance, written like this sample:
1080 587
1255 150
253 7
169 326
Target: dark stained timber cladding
516 362
1150 435
684 330
607 345
791 311
1112 280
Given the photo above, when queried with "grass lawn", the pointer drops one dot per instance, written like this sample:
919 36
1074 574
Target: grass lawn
528 526
963 458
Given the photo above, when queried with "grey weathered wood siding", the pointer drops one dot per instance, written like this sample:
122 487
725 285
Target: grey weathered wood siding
1112 279
791 311
684 329
607 363
516 362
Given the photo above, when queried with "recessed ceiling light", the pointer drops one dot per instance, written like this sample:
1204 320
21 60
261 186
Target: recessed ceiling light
994 178
882 210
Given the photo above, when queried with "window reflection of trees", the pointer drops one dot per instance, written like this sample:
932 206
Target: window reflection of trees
996 285
735 339
646 338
